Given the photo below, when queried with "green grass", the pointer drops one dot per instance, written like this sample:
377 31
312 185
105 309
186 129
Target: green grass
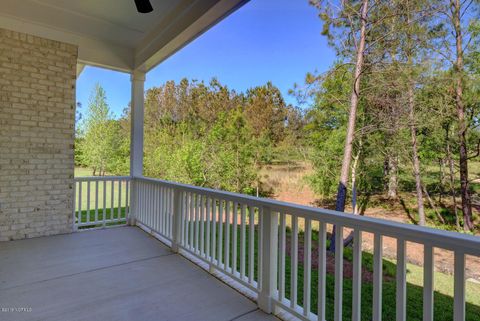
247 244
82 172
109 215
443 297
109 192
110 202
443 302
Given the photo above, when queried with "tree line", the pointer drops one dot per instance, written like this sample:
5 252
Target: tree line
396 113
197 133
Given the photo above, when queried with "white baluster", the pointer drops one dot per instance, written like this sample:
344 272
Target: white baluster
242 242
208 236
401 292
459 286
294 262
357 276
307 267
338 272
322 270
251 243
226 247
281 257
177 221
96 201
104 204
377 277
234 238
428 283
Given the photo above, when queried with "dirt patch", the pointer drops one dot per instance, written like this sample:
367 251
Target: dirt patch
367 276
287 183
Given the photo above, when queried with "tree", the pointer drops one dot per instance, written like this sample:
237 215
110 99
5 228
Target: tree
208 135
351 23
397 113
325 127
458 36
266 111
387 49
406 53
230 151
351 18
412 19
78 157
99 132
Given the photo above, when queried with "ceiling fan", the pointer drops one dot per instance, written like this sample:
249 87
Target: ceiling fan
143 6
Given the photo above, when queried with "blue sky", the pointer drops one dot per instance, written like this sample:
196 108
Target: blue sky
265 40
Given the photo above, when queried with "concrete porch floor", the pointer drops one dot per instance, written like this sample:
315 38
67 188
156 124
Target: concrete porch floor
112 274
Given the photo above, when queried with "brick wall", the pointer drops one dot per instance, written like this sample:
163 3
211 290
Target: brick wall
37 114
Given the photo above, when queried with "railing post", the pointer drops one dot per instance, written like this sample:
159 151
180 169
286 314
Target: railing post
132 212
269 234
177 219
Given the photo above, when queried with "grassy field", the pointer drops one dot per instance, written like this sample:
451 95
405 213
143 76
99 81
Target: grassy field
443 297
82 172
118 214
113 194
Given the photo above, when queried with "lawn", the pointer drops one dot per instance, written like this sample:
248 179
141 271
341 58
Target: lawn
109 215
113 194
82 171
443 297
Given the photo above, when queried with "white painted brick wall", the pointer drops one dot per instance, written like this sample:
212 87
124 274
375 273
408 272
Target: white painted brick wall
37 115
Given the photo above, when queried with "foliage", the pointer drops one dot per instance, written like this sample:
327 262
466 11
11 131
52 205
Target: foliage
209 135
101 143
408 129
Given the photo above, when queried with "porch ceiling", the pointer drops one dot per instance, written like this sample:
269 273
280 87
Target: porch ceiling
111 33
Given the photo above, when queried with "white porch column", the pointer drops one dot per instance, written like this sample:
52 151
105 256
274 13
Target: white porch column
136 137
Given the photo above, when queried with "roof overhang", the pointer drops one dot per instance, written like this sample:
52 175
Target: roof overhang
110 33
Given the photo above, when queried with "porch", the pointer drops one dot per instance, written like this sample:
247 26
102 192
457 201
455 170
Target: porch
114 274
276 254
273 253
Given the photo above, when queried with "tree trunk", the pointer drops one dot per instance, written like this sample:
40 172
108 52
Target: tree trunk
354 98
432 205
386 173
441 167
415 158
452 178
462 126
355 209
392 177
354 180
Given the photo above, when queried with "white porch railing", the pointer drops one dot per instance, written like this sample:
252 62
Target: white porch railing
101 201
256 243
